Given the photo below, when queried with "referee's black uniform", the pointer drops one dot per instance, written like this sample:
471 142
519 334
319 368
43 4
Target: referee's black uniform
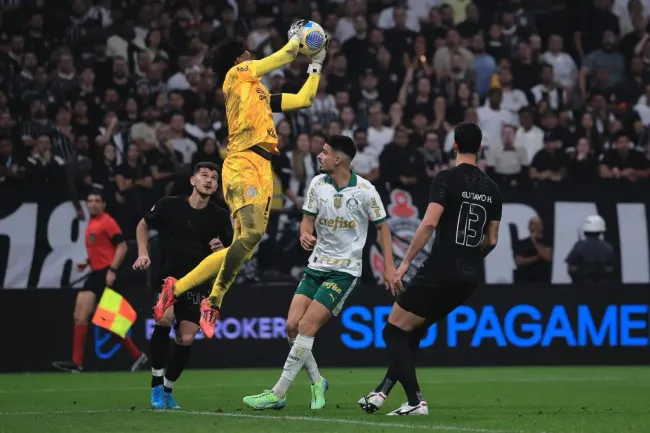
455 266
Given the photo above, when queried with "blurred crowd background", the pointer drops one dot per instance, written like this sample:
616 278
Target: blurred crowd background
116 94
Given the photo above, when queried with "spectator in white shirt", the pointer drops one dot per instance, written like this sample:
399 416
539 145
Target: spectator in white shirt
378 134
529 136
365 163
323 106
492 117
303 168
348 121
564 67
548 90
442 61
506 161
386 20
345 28
180 141
421 8
643 107
512 99
625 9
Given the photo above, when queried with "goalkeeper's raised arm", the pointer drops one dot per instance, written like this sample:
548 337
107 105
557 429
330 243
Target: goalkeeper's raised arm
303 99
232 54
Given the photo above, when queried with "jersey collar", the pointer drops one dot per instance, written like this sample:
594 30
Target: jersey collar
352 182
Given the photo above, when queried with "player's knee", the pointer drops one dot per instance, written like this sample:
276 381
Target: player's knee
250 238
292 329
184 339
307 327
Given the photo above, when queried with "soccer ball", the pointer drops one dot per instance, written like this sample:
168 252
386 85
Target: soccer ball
312 40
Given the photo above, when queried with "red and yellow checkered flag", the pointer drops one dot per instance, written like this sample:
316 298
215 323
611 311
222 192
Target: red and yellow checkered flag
114 313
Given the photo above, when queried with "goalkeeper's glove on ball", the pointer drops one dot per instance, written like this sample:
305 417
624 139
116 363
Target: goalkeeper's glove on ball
318 59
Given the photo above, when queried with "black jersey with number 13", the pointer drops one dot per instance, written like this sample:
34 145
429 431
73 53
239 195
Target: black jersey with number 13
470 200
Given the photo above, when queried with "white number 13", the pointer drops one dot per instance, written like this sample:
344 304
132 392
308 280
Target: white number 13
471 220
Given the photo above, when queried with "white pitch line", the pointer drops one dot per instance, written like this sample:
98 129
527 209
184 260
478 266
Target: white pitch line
346 383
344 421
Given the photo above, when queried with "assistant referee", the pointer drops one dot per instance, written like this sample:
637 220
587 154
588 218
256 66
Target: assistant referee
106 249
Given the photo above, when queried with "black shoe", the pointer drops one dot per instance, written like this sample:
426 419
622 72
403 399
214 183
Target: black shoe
67 366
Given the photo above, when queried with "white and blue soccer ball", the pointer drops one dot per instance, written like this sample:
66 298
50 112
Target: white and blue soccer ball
312 40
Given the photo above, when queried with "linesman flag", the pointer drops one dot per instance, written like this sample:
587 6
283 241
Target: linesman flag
114 313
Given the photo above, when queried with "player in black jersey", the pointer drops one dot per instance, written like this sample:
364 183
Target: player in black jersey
189 229
464 210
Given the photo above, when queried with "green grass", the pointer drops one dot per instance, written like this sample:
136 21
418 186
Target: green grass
480 400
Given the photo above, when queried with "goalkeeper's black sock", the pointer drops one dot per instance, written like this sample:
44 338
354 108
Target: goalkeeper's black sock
391 378
398 348
178 360
159 352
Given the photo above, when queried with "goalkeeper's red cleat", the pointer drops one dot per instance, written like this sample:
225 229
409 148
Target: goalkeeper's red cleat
209 317
166 298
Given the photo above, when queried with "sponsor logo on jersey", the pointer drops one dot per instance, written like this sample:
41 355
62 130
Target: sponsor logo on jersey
338 200
376 208
312 198
403 220
333 261
251 191
337 223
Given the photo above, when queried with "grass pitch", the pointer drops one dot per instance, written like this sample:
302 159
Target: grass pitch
476 400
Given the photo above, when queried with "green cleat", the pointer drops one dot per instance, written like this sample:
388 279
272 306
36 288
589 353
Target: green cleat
265 400
318 393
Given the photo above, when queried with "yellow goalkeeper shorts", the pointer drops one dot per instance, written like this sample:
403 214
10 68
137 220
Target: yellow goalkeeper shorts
248 179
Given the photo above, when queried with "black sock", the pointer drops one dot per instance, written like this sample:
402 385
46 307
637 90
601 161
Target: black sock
177 362
391 378
398 348
159 350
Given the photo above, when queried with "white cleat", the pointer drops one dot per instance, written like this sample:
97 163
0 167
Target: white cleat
406 409
372 402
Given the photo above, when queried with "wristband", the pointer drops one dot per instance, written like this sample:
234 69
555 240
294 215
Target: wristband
112 269
314 68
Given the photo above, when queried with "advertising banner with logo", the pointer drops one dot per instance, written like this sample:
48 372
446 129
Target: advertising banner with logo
41 239
500 325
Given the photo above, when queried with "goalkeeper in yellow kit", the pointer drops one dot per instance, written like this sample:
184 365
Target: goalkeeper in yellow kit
247 174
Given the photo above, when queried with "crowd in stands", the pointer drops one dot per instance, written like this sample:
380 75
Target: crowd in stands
115 94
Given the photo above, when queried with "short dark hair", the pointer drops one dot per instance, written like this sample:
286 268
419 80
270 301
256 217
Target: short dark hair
344 144
526 110
209 165
468 137
96 192
226 55
545 66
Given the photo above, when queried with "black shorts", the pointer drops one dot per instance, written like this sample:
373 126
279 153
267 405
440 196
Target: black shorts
434 301
188 305
96 282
